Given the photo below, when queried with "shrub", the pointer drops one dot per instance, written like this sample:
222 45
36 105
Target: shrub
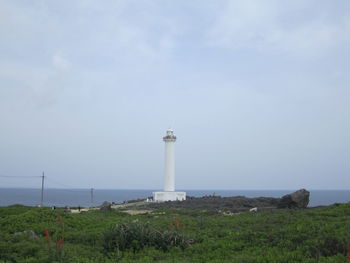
136 236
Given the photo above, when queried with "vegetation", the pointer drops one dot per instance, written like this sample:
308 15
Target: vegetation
137 236
30 234
216 202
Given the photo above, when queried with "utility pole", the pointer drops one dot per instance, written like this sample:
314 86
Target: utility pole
92 195
42 190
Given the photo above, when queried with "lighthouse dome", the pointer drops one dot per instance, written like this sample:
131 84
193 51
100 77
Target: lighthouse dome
169 137
169 132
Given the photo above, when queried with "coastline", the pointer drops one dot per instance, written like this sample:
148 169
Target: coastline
76 197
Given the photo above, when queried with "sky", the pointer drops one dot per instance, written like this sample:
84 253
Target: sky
257 92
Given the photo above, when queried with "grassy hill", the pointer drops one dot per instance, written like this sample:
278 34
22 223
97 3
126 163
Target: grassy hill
31 234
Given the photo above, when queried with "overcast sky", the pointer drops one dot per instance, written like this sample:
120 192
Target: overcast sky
257 92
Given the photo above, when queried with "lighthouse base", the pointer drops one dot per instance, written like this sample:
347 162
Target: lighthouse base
169 196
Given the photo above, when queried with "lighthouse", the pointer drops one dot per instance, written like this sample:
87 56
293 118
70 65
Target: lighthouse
169 166
169 193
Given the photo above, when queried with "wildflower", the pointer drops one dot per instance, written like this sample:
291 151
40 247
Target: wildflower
60 243
47 236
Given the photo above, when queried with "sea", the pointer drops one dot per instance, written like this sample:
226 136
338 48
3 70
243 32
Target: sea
88 198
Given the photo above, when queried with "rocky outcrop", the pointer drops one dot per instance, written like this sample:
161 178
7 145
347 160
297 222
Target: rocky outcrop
298 199
106 206
216 203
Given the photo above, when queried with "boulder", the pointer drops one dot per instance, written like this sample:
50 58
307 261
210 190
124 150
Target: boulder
298 199
29 233
106 206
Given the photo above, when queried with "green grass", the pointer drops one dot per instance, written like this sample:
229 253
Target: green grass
288 236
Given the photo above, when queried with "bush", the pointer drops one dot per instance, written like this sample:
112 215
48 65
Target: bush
136 236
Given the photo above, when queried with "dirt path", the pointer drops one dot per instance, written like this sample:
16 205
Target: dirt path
132 211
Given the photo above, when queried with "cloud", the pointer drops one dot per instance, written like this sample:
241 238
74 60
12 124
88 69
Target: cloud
60 63
47 47
84 76
298 29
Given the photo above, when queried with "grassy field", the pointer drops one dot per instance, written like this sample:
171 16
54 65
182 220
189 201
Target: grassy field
187 235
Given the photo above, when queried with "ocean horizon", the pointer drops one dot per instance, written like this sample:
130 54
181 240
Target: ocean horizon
82 197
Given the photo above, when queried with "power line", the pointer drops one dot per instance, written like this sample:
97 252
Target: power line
19 176
44 178
50 180
42 190
67 187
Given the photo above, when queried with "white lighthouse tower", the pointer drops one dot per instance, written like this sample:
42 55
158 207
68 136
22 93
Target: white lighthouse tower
169 167
169 193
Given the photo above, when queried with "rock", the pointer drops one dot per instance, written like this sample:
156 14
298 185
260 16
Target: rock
254 209
29 233
106 206
298 199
